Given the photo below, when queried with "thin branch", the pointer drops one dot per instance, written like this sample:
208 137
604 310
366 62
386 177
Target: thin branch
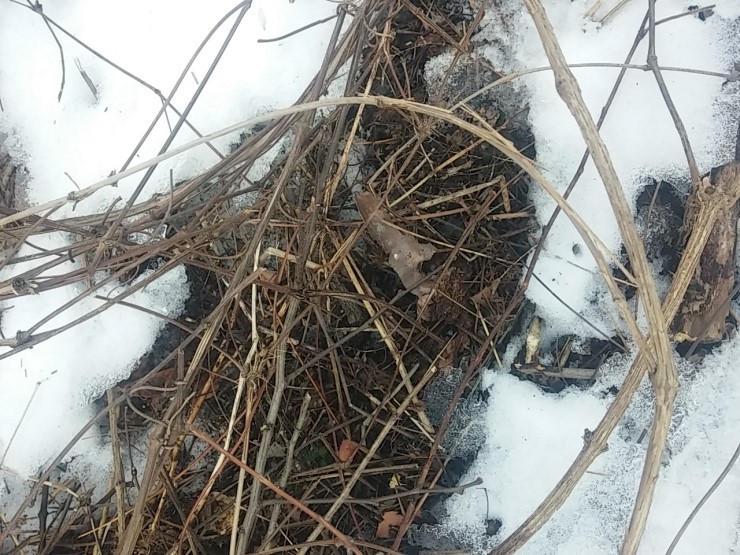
300 29
180 122
652 62
36 7
703 500
395 417
322 522
299 425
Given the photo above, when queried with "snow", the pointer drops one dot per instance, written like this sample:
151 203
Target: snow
88 138
533 437
74 368
638 131
728 10
47 391
523 423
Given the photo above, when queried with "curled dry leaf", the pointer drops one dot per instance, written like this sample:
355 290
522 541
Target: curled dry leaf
532 352
405 253
486 294
347 450
390 519
449 357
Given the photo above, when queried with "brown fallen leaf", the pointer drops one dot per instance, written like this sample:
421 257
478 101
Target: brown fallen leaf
347 450
390 519
449 357
269 276
405 253
486 294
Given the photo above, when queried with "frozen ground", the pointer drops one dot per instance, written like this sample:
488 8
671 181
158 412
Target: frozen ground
533 437
45 392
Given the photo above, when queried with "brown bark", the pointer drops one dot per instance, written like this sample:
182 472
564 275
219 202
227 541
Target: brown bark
706 306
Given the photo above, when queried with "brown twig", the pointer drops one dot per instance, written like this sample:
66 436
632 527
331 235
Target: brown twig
652 62
345 541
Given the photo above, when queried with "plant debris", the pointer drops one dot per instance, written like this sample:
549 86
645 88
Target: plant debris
285 408
405 253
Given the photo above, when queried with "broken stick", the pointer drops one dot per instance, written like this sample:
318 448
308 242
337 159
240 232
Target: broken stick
705 307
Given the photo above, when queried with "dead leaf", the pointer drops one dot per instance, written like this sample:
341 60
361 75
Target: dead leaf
448 358
390 519
405 253
347 450
532 353
269 276
486 294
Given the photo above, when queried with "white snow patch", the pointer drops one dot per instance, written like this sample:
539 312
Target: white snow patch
638 131
533 437
523 423
89 138
55 381
728 10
